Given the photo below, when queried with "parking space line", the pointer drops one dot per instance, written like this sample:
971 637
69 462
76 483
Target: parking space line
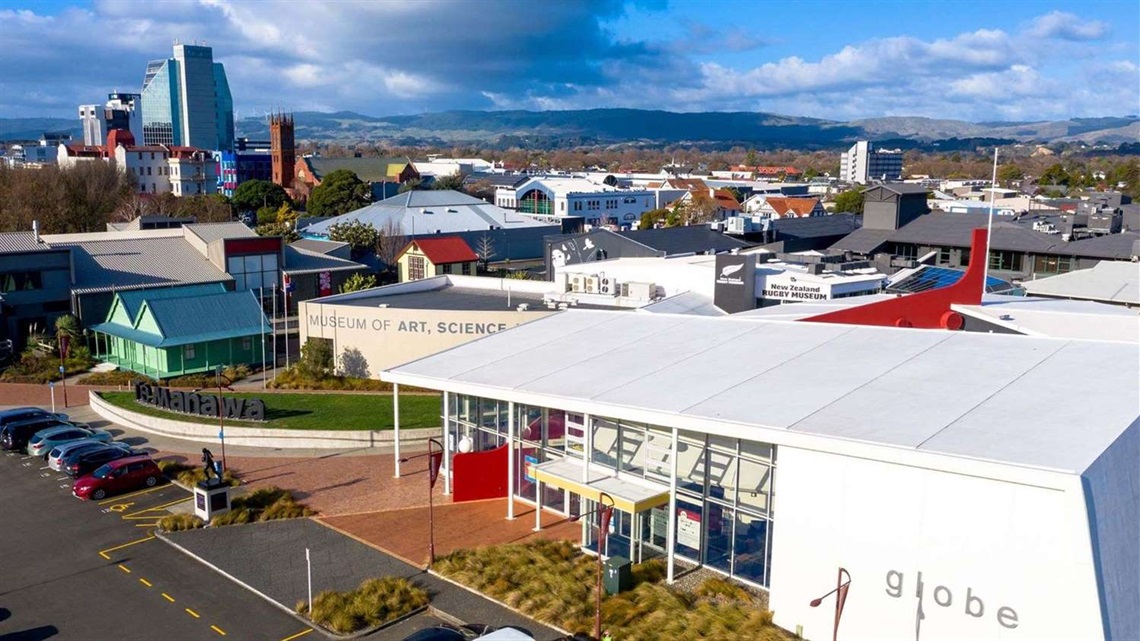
146 583
137 515
124 568
154 524
193 613
218 630
127 496
298 635
103 553
168 597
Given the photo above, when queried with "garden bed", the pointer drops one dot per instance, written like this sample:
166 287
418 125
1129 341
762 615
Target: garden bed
553 581
375 603
311 411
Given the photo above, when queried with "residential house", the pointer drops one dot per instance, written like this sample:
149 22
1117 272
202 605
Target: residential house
603 244
383 175
777 207
428 257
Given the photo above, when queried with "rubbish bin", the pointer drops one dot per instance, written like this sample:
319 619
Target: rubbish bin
619 575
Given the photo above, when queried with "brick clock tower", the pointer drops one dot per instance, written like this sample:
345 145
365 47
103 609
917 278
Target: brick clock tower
282 149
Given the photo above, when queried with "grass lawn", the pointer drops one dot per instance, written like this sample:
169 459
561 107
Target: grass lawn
313 411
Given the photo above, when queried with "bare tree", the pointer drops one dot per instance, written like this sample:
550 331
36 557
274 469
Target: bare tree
389 242
485 249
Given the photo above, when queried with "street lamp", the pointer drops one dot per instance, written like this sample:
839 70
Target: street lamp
842 583
435 460
221 416
606 509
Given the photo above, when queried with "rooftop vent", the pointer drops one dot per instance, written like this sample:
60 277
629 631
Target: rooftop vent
523 307
383 305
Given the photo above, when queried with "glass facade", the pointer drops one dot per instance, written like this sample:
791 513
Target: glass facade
253 272
160 108
224 105
723 515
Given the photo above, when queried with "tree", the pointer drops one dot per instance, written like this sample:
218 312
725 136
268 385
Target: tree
454 182
1008 172
751 159
286 232
485 249
361 237
316 358
414 184
357 282
341 191
1055 175
482 189
252 195
389 243
206 208
700 208
650 218
849 202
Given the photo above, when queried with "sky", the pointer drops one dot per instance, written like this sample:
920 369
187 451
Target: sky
998 60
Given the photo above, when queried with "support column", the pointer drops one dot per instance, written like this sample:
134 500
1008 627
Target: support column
396 425
588 447
511 461
447 443
671 537
537 505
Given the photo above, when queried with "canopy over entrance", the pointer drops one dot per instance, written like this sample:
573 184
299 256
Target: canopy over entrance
630 495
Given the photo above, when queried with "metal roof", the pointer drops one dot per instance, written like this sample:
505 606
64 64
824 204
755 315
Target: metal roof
988 397
1110 281
1078 319
121 260
431 211
1122 246
689 239
862 241
20 241
815 226
209 232
366 169
317 246
302 261
196 319
133 301
693 303
954 230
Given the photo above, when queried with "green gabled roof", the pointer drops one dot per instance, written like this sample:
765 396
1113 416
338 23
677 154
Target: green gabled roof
132 301
194 319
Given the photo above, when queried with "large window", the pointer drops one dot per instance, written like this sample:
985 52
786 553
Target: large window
1006 261
1052 264
258 271
20 281
416 268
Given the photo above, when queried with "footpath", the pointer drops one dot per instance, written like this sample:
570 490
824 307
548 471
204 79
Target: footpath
269 559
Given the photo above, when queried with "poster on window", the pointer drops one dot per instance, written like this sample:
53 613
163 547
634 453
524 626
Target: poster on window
528 467
325 282
689 528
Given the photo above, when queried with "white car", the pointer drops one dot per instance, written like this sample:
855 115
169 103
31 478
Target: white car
45 441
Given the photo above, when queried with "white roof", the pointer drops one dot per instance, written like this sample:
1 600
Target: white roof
430 211
566 185
1109 281
799 311
1079 319
685 303
1037 402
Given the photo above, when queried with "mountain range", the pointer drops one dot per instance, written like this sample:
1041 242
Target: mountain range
559 129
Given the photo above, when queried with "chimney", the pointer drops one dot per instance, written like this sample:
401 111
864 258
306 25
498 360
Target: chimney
36 231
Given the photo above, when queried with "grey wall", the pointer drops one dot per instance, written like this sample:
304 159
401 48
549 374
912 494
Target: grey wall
605 245
42 305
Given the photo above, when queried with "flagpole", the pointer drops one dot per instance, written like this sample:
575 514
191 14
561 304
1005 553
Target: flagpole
285 293
989 227
274 296
261 306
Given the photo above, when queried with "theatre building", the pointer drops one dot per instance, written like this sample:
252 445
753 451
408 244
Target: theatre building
956 477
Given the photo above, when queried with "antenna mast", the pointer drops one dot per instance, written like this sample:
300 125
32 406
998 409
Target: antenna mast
990 226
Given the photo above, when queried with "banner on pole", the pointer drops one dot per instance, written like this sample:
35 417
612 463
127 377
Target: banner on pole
435 460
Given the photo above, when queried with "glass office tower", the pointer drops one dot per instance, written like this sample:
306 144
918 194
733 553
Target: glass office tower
186 101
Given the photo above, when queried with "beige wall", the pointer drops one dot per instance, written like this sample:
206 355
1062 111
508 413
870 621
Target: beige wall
388 337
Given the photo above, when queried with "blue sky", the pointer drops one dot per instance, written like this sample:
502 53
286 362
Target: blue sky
995 60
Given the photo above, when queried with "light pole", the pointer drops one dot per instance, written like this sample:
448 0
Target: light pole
221 415
842 583
606 510
435 460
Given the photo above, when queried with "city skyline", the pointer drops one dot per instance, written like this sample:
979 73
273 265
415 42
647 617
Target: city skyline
971 61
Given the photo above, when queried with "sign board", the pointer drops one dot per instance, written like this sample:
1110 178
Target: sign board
689 528
793 287
232 407
735 286
528 467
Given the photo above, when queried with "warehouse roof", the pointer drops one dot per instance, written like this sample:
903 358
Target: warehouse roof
1055 318
430 211
20 241
1109 281
110 261
778 381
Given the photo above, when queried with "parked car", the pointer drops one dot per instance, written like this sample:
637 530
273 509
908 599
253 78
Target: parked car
15 436
44 440
86 461
24 413
508 633
58 453
124 475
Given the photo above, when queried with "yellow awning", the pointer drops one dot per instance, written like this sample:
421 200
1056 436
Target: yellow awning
628 494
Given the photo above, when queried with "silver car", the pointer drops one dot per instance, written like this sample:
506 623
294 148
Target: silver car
63 450
45 440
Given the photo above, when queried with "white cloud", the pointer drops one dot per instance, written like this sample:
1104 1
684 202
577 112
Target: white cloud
1066 26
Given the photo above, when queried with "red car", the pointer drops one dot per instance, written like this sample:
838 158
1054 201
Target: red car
123 475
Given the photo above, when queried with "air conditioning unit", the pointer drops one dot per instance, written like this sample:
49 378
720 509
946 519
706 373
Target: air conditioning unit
608 286
577 283
640 291
591 285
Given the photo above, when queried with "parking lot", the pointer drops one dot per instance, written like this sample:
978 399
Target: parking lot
92 570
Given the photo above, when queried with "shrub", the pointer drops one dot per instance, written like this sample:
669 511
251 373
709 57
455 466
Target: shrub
188 474
265 504
292 378
374 603
180 522
116 377
236 516
35 366
316 358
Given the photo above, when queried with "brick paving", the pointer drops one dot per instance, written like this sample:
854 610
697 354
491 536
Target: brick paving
457 526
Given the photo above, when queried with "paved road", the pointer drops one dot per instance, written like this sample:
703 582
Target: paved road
89 571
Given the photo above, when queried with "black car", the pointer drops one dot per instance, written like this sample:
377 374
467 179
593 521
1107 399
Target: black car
15 436
87 461
18 414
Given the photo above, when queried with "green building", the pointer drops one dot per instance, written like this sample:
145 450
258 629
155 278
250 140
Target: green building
162 333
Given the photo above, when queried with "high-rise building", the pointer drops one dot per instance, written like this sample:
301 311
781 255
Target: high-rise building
282 149
122 111
862 164
186 101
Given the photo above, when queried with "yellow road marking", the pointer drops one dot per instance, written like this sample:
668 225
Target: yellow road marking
168 597
146 524
193 613
127 496
136 515
121 507
124 568
218 630
103 553
298 635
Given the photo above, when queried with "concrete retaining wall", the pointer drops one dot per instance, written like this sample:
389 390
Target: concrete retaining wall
256 436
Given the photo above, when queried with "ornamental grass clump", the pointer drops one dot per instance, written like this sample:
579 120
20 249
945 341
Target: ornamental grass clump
553 581
374 603
265 504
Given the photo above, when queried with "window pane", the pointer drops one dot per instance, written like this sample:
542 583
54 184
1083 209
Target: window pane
236 266
755 483
605 442
269 262
632 448
722 476
719 537
756 449
750 548
691 466
657 462
253 263
689 519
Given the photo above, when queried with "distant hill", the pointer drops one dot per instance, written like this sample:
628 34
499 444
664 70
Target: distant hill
554 129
